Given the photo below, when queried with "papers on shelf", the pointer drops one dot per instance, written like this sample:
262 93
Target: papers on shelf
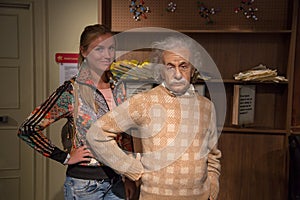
259 73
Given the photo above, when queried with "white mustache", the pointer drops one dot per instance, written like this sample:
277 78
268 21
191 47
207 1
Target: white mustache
181 81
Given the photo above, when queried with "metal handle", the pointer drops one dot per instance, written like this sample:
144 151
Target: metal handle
3 119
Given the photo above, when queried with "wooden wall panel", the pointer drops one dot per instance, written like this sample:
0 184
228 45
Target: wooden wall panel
253 167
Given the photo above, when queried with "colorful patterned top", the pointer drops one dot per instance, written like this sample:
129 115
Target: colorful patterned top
59 105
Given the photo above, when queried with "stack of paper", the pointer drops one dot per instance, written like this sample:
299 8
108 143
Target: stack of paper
132 70
259 73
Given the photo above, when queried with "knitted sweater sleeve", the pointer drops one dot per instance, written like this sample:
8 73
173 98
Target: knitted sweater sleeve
214 166
57 106
101 138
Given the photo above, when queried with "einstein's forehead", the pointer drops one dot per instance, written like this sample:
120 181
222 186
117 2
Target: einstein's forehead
181 52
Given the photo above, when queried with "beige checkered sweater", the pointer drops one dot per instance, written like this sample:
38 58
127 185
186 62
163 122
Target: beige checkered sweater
180 159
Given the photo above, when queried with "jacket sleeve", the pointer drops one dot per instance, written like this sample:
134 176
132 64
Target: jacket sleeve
58 105
214 166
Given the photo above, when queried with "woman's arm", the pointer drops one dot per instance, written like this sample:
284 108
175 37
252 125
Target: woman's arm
58 105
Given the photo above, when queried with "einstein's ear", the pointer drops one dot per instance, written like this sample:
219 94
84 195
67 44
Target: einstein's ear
194 75
193 71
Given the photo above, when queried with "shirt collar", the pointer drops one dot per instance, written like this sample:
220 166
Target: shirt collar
189 92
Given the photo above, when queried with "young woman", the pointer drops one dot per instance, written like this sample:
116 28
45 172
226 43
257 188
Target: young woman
85 98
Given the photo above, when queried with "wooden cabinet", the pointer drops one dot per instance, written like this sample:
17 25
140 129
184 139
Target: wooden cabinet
255 158
296 86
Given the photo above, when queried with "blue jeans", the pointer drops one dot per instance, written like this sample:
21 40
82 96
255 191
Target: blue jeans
80 189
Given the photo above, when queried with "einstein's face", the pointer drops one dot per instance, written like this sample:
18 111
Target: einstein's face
177 70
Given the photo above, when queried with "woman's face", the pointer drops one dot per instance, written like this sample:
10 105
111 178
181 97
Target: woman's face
100 53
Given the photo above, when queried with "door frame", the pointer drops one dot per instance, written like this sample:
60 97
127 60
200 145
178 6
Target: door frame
40 87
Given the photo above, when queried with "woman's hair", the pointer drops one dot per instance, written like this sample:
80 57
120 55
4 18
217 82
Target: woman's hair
173 44
89 34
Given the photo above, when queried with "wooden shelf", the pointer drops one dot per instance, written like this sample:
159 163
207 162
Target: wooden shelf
254 130
238 31
232 81
295 129
225 81
229 31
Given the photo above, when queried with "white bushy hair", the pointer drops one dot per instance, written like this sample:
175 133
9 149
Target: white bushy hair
173 44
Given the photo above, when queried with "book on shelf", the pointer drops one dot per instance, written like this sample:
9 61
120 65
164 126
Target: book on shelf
243 108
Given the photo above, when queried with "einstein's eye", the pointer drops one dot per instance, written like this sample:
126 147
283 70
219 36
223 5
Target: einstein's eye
184 67
170 67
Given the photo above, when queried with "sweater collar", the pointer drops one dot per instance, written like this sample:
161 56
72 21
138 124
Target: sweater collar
189 92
